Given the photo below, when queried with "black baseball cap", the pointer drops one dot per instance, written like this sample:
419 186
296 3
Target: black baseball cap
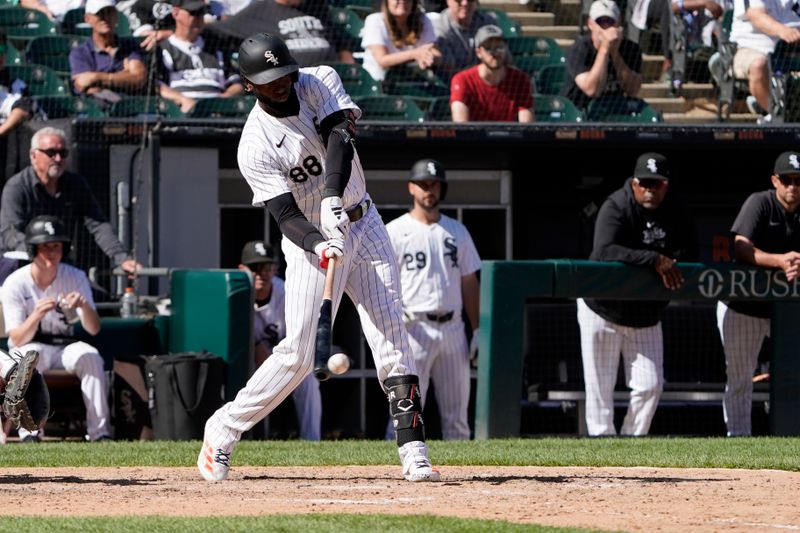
652 165
255 252
788 164
190 5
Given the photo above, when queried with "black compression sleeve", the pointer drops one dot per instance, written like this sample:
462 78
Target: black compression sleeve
338 132
293 223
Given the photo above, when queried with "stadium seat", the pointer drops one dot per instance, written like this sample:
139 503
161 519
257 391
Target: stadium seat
135 106
234 107
52 51
69 107
554 108
511 28
357 81
551 78
390 108
23 24
784 96
13 57
349 25
439 109
404 80
720 65
41 80
621 109
534 45
73 24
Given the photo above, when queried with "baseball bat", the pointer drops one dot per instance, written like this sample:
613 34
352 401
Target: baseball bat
323 344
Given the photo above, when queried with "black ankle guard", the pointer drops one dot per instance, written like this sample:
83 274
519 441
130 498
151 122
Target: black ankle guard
405 408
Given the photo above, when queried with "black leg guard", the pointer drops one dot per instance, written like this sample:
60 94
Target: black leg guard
405 408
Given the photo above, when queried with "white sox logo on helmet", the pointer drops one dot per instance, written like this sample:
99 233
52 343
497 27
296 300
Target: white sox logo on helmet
260 250
651 165
793 161
270 57
48 227
431 168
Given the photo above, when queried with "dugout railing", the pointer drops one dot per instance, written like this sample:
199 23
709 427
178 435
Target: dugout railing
507 287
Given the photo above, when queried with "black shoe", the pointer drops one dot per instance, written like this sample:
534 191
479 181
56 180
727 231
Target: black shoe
31 438
103 438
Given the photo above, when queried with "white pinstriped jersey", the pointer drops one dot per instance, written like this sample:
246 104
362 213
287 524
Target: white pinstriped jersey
269 324
20 294
280 155
432 258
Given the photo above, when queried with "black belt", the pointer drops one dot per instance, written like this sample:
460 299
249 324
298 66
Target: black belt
433 317
54 340
355 214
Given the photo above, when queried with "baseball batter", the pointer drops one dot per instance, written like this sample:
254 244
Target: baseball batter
637 225
766 233
269 327
35 302
298 155
438 264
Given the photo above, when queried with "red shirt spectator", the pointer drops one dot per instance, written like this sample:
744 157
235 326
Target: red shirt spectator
491 90
501 103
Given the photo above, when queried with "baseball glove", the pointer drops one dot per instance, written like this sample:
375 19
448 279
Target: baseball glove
27 400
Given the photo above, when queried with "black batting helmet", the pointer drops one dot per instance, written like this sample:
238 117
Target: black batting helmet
429 169
264 58
45 228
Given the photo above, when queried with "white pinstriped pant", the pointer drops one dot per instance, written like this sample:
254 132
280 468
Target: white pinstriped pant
643 358
742 336
369 274
84 360
442 355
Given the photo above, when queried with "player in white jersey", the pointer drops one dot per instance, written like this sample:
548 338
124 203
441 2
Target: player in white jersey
298 155
39 301
438 264
269 327
767 234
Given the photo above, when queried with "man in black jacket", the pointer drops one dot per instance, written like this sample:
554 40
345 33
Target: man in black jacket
637 226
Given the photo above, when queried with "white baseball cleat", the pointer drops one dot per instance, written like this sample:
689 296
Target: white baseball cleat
213 463
416 465
214 460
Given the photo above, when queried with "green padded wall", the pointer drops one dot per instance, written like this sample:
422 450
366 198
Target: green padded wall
212 311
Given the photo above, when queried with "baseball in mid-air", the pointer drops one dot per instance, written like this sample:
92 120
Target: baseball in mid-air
338 363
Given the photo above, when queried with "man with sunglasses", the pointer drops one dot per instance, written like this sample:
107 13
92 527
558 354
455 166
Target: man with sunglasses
637 225
602 62
105 64
491 90
188 70
767 234
47 188
269 327
455 30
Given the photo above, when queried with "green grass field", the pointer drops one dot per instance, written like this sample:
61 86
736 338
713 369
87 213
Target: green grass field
751 453
747 453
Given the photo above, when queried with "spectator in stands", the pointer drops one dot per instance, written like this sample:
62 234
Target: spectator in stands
455 29
225 9
104 63
491 90
305 27
47 188
766 234
269 327
188 70
150 19
637 225
602 62
54 9
42 301
15 104
757 26
399 34
645 15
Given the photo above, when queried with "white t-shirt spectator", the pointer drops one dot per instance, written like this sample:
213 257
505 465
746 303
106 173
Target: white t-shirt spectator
745 35
376 32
